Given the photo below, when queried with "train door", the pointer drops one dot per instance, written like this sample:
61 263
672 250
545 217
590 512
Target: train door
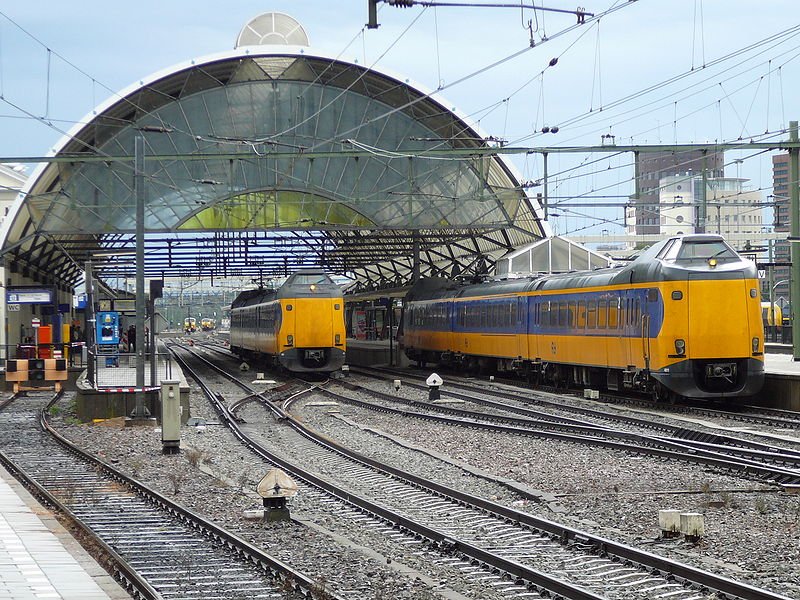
645 335
620 347
521 330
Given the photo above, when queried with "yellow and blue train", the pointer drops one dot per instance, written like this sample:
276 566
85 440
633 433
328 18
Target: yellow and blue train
298 326
681 320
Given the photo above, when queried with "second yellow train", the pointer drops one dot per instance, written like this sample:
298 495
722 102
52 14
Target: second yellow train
681 320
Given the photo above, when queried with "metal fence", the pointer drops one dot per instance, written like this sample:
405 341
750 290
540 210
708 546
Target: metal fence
774 334
118 369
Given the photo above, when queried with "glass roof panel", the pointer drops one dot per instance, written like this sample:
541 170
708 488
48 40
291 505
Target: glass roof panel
281 141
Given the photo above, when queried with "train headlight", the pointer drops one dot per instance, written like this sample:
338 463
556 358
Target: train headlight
680 347
712 262
313 287
290 340
338 339
755 344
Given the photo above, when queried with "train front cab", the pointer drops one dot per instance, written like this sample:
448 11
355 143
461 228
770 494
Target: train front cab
316 340
712 344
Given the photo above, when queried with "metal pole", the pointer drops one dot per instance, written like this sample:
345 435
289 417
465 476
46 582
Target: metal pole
391 335
151 343
141 307
794 196
703 209
771 284
415 266
90 323
544 185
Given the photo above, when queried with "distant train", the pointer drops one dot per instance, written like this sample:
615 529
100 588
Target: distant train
771 315
681 320
189 325
207 324
299 326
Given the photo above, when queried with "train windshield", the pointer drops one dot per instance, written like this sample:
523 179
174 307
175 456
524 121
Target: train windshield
696 251
309 278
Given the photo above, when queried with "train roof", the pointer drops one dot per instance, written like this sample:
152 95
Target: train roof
253 297
309 283
303 283
674 258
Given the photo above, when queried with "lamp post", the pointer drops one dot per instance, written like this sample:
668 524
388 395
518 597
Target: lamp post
794 195
139 411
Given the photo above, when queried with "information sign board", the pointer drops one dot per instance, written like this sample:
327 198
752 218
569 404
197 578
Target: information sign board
35 322
20 295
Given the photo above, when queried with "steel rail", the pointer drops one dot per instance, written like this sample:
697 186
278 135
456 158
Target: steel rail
134 583
564 533
682 433
538 580
668 448
273 566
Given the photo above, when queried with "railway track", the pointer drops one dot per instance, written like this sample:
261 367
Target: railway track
756 415
569 563
767 466
770 461
160 549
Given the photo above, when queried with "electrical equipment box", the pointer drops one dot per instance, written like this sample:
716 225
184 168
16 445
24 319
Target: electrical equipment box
170 416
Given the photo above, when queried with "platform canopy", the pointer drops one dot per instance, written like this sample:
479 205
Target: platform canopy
265 159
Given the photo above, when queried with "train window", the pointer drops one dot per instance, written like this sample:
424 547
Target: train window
666 249
591 316
308 278
562 313
581 314
652 295
613 314
602 314
637 312
573 311
701 251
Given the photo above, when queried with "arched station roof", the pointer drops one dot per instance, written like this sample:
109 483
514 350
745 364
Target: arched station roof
265 159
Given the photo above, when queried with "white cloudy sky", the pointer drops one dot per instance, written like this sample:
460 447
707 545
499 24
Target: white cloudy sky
751 94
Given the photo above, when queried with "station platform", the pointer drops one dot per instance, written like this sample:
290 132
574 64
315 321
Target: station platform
113 392
39 558
781 384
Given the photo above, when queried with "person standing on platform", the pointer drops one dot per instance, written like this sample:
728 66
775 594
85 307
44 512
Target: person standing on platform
132 338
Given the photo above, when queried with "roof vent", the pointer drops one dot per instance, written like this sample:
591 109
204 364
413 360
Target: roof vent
272 29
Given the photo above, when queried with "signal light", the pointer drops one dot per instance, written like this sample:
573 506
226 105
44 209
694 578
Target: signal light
680 346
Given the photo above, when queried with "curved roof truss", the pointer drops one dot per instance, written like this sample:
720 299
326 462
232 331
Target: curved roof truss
260 163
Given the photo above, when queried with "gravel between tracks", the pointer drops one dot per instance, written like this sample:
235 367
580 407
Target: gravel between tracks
751 535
